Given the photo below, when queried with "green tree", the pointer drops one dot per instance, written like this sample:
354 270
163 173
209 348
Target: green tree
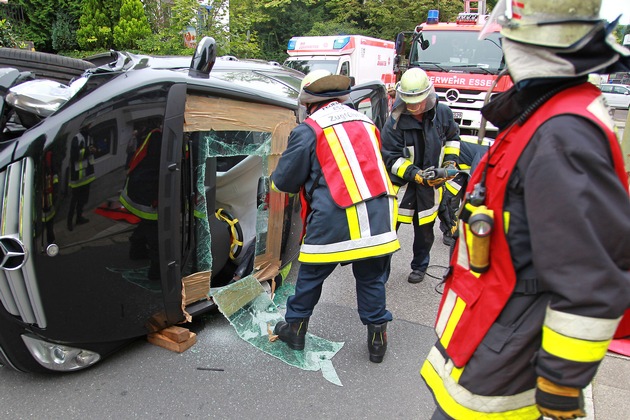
213 20
132 25
244 40
170 40
63 33
284 19
157 13
7 38
95 32
37 23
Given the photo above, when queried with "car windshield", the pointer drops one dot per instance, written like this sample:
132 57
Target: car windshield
458 51
307 66
265 82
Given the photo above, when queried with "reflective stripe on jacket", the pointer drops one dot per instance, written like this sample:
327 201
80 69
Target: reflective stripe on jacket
140 195
81 162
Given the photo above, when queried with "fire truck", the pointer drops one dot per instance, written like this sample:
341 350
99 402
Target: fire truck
362 58
461 66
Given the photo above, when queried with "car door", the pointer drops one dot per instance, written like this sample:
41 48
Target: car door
370 99
622 97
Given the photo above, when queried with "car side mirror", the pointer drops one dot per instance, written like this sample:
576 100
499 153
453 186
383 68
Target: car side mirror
203 59
424 43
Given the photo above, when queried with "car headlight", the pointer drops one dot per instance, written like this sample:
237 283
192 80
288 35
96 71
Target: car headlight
59 357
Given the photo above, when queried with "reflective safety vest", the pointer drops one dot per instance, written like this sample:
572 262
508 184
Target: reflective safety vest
353 169
50 181
347 147
82 162
472 301
140 195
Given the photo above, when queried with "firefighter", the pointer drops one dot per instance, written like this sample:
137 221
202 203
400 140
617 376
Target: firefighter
348 205
470 152
81 176
50 181
140 197
539 278
419 134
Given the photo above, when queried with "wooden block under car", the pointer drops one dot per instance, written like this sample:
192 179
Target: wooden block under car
175 333
162 340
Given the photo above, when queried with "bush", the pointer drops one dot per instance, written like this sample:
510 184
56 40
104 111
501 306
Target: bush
63 34
7 39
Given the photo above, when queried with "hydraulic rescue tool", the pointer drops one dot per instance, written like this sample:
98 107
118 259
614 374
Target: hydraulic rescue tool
433 176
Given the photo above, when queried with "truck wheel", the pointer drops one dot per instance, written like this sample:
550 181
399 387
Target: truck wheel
44 65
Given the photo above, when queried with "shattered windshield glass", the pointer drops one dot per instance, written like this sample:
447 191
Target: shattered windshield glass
233 143
253 315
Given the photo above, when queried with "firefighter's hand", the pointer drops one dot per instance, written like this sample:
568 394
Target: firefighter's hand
559 402
435 182
418 178
449 165
391 91
431 177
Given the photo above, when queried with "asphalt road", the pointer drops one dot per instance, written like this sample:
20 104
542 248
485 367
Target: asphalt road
147 382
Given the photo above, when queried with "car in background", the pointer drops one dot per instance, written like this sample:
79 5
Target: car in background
617 95
132 191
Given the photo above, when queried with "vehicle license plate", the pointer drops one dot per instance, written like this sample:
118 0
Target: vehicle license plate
458 115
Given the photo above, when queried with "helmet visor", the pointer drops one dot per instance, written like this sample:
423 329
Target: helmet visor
500 14
422 106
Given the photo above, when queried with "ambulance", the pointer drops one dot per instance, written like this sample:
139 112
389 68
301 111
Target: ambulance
360 57
461 66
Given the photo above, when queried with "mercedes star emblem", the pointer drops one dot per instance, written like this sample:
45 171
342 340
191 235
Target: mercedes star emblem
12 253
452 95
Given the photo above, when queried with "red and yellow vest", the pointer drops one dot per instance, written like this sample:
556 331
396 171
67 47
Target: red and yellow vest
353 170
471 301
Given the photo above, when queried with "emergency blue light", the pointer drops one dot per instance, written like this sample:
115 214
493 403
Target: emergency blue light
291 45
341 42
434 16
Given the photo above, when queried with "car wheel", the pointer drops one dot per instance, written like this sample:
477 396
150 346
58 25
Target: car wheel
44 65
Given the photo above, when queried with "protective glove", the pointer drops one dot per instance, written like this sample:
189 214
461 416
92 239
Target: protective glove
433 177
449 165
559 402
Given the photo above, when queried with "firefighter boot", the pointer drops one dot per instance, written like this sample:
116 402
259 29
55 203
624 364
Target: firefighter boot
377 341
416 276
292 333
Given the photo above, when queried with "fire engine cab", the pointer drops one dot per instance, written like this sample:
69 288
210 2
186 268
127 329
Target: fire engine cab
461 66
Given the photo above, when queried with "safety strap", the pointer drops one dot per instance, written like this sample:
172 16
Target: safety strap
526 286
309 195
237 239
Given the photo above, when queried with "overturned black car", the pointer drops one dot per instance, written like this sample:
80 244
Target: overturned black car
132 191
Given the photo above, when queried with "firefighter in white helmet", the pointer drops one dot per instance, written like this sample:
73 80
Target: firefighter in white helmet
419 134
348 206
539 278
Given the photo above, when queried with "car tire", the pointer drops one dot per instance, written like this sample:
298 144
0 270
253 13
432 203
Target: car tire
44 65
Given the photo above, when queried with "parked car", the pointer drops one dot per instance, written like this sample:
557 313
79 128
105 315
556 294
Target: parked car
617 96
129 193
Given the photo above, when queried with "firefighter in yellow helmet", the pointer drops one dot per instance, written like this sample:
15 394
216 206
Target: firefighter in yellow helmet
333 160
539 277
419 134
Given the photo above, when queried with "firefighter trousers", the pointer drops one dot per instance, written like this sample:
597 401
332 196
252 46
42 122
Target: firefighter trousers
370 275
